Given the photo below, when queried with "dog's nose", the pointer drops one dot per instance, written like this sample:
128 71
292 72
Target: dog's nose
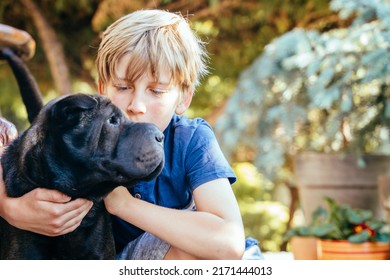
159 137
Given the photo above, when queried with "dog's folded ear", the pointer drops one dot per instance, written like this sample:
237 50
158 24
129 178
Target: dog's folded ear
66 112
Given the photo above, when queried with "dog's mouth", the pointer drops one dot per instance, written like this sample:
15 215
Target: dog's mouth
156 171
146 175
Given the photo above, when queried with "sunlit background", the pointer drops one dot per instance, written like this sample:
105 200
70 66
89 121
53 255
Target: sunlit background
285 76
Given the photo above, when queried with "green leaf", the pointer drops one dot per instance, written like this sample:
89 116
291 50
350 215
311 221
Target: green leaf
376 225
387 108
346 103
313 67
360 237
326 76
325 230
358 216
382 236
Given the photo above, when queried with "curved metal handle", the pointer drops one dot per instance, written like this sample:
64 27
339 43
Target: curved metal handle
18 40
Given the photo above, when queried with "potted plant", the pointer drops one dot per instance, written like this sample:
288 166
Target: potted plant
319 100
343 232
303 239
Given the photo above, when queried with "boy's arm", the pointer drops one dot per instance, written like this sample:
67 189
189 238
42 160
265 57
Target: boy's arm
214 231
42 211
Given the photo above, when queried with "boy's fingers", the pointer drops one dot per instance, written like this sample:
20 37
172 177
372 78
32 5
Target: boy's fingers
74 218
50 195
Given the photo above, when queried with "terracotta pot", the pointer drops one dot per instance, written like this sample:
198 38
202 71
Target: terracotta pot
304 248
344 250
337 176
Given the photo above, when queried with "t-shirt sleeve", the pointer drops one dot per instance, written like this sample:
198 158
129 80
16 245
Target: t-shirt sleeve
204 159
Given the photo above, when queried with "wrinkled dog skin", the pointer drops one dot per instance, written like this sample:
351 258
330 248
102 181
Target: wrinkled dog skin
83 146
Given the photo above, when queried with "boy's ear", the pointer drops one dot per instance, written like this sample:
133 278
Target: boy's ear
184 103
100 87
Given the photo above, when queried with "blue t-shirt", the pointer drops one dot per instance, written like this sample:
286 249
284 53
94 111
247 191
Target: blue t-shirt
192 158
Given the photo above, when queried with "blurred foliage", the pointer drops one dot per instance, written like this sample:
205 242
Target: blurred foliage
316 90
264 218
236 32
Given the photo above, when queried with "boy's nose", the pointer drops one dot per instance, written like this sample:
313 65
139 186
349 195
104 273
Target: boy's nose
136 106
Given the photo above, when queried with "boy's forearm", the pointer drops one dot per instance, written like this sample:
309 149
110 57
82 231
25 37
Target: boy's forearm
199 233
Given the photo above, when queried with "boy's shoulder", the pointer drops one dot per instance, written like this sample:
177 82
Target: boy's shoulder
183 121
184 127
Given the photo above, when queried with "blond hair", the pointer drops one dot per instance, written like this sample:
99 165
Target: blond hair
157 41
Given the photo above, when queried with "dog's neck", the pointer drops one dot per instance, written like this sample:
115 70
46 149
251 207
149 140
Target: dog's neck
30 181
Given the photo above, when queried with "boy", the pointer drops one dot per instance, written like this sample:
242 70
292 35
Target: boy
149 63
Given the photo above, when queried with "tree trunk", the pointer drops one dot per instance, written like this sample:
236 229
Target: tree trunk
52 47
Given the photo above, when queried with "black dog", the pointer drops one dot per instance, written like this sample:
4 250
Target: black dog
83 146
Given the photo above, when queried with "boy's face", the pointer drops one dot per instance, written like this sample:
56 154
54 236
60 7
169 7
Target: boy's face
145 100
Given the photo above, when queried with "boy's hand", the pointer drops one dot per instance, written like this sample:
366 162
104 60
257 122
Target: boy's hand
43 211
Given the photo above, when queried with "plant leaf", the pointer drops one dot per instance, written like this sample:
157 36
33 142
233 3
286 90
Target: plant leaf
360 237
358 216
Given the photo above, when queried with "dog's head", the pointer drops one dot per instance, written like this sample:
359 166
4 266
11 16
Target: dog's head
84 146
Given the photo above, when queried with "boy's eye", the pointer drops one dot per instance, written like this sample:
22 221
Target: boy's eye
122 88
158 91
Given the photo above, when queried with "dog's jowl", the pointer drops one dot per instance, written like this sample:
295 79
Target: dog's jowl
83 146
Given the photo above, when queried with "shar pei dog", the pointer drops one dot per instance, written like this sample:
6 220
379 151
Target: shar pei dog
83 146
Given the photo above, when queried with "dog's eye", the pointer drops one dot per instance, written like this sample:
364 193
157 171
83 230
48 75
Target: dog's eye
114 120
